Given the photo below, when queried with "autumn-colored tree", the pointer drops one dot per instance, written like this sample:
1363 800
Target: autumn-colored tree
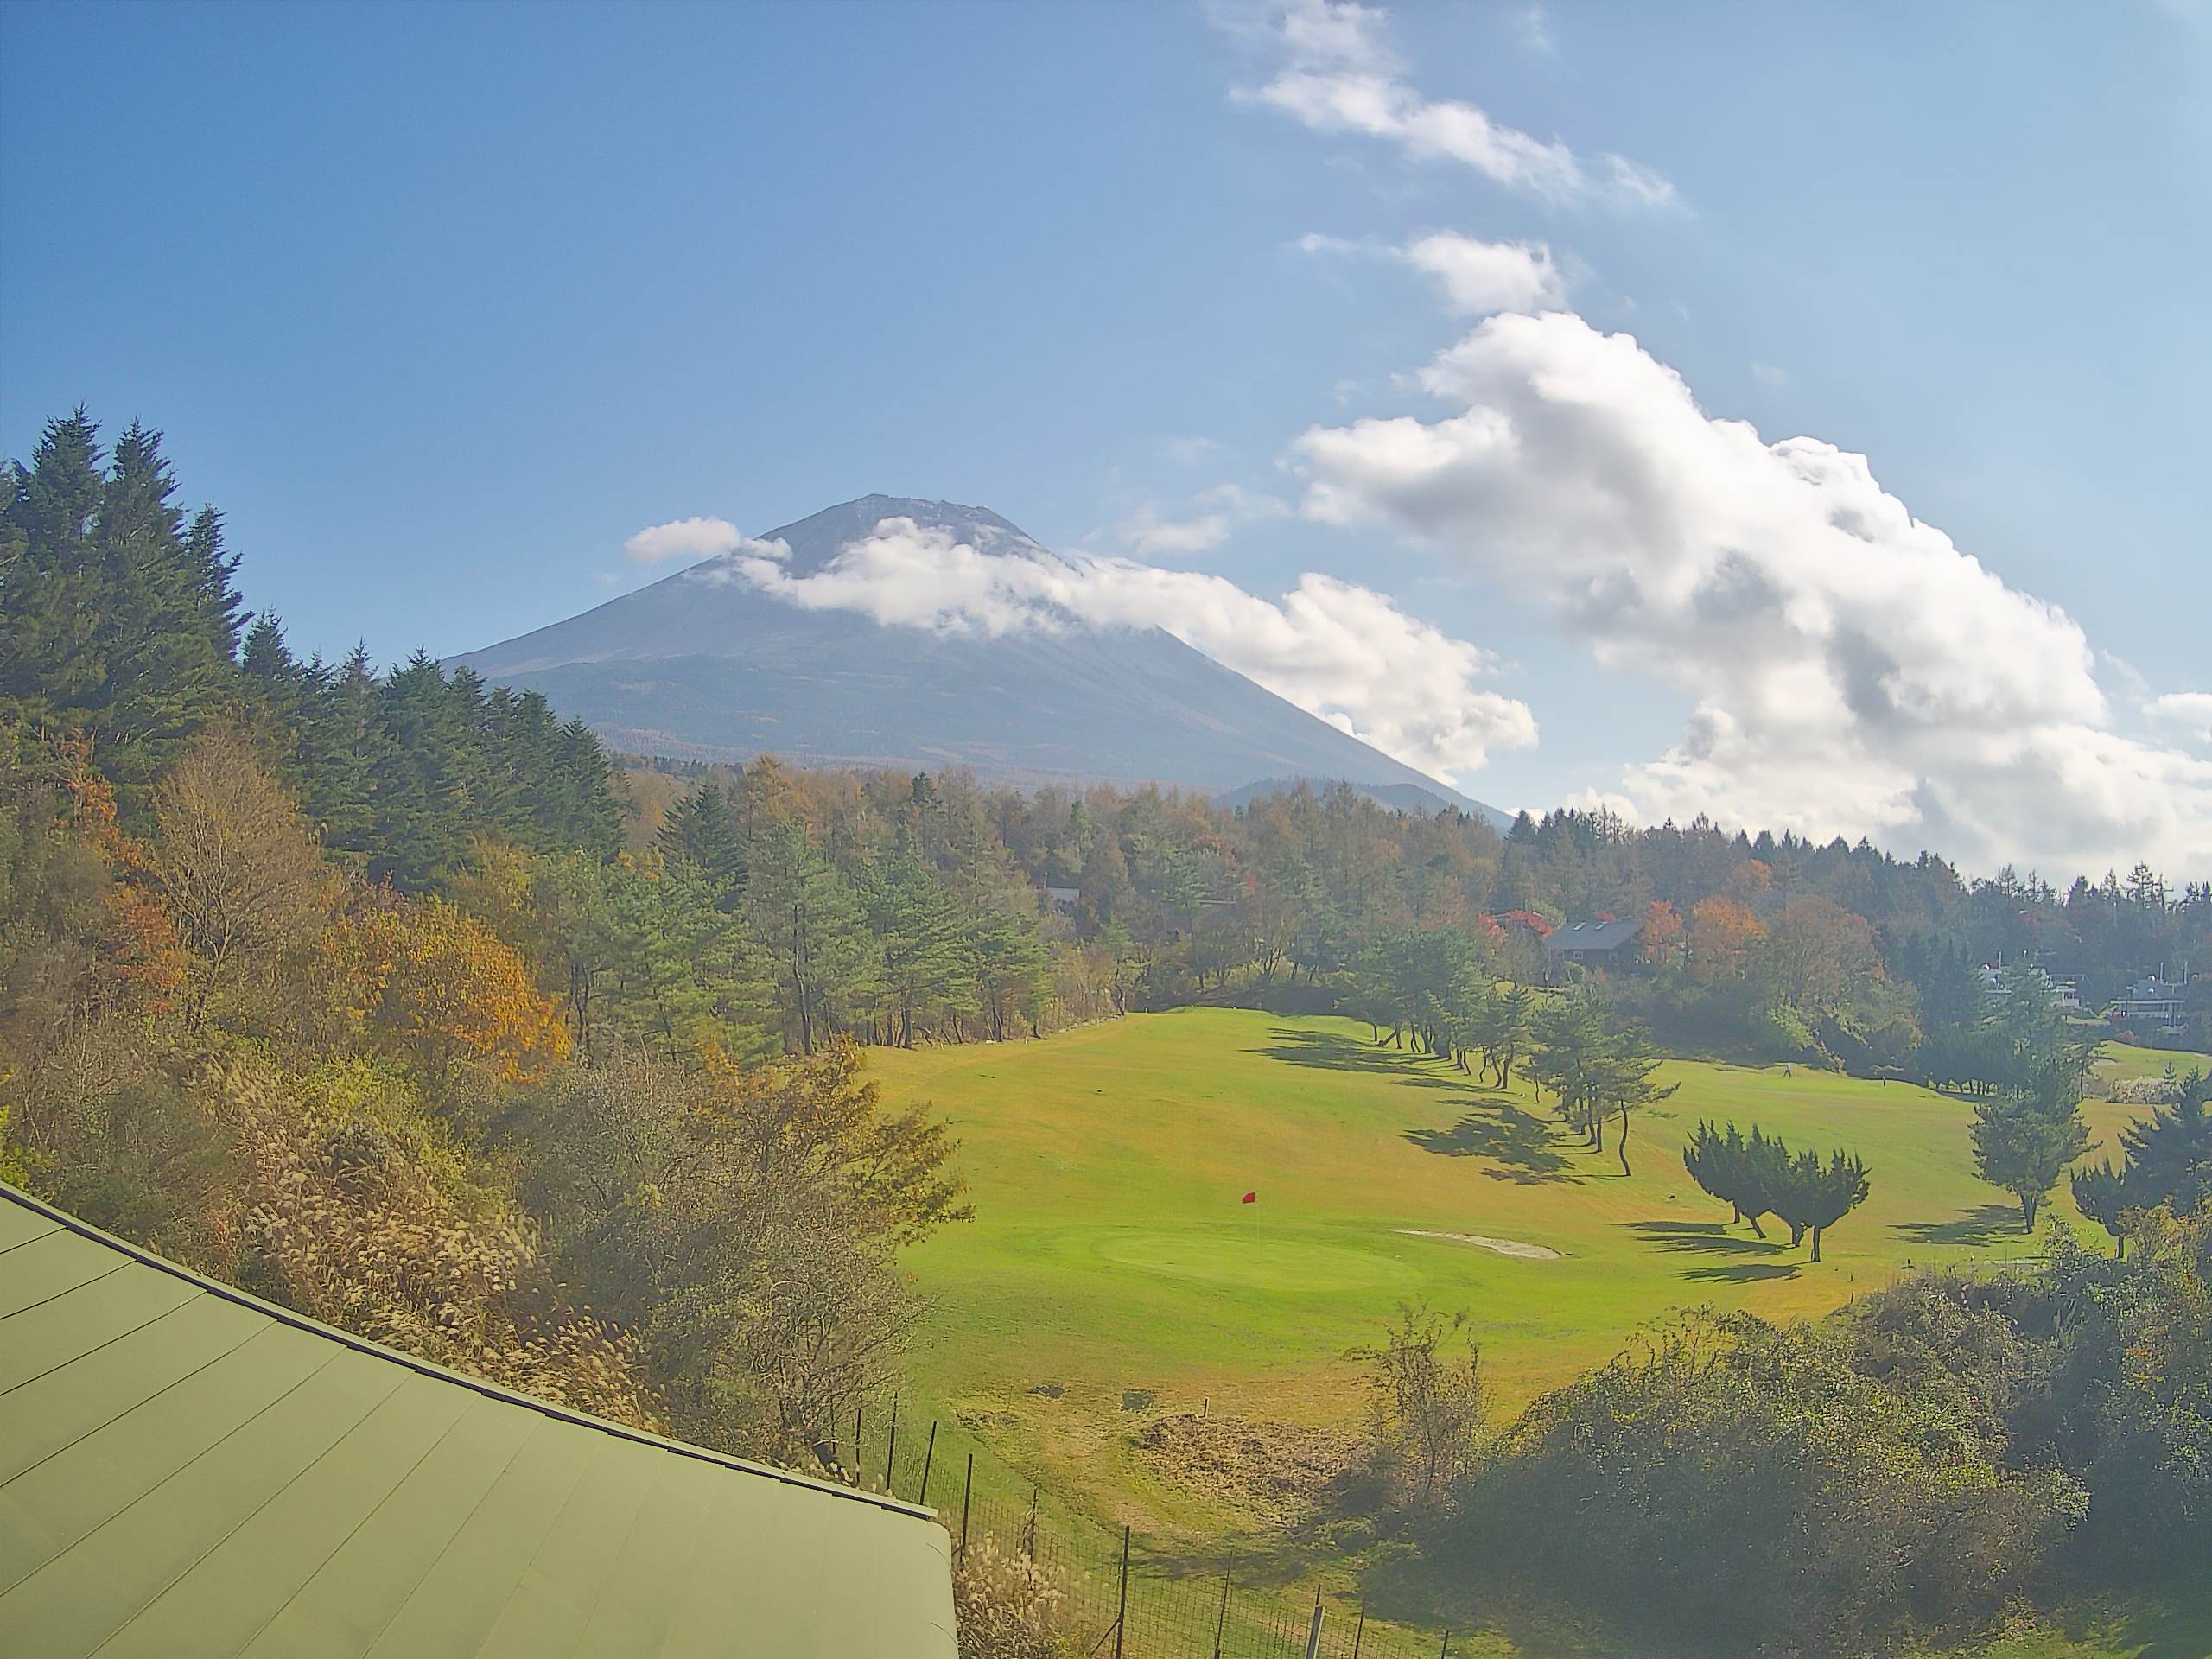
819 1118
1815 954
1750 881
1662 930
1722 934
140 960
438 988
240 876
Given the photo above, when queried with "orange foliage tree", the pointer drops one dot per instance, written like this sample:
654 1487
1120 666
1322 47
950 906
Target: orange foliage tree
140 959
438 988
1662 930
1722 935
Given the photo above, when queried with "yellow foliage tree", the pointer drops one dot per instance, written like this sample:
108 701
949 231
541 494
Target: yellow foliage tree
438 988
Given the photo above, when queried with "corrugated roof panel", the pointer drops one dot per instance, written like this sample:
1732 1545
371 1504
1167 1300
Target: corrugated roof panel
185 1470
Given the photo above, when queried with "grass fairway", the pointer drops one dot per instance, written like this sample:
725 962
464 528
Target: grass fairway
1110 1255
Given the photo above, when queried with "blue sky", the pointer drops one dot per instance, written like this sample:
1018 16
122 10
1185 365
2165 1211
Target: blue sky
443 306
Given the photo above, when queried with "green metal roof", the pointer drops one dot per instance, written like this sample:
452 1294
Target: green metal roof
187 1469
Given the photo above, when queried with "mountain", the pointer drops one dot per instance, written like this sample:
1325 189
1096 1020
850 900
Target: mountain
703 665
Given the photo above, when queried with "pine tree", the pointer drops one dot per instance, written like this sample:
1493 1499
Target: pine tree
1812 1196
2101 1193
701 830
2170 1154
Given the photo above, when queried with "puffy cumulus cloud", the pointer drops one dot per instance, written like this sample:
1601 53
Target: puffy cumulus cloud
1852 670
1335 72
1478 278
2192 710
1341 651
683 539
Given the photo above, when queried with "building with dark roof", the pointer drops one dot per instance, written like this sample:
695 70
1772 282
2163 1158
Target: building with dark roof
187 1469
1600 942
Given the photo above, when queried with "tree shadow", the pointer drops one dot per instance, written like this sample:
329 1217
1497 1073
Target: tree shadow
1984 1224
1744 1272
1333 1052
1703 1238
1503 1134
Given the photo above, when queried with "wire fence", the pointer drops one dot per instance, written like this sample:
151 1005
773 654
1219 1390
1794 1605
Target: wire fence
1117 1597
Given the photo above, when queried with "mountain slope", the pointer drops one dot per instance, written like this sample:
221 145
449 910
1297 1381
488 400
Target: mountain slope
702 665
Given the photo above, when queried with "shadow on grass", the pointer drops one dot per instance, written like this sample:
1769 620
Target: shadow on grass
1704 1238
1503 1134
1333 1052
1744 1272
1984 1224
1712 1238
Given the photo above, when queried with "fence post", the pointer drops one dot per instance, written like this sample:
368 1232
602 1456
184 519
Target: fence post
1122 1610
891 1448
967 1493
856 1442
1029 1532
1445 1652
1222 1622
928 1457
1359 1630
1313 1631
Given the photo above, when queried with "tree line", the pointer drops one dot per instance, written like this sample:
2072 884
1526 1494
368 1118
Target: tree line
344 987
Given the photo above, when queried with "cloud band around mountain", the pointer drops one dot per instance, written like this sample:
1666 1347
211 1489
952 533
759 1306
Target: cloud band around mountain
1338 651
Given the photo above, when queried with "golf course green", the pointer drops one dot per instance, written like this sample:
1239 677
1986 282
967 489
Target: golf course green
1112 1272
1111 1255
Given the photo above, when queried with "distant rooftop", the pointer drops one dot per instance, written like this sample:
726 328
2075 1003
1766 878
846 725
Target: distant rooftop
1592 937
185 1469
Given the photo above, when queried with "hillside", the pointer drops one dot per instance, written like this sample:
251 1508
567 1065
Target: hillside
700 665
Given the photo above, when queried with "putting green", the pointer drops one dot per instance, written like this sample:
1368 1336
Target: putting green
1291 1268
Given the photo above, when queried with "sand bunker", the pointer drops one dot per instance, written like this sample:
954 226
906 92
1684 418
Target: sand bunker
1503 1246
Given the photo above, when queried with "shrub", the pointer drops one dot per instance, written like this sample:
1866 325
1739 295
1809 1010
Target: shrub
1757 1486
2147 1091
1008 1606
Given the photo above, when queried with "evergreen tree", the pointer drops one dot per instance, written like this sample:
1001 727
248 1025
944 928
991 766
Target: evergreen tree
2101 1193
1812 1196
809 925
2170 1154
699 828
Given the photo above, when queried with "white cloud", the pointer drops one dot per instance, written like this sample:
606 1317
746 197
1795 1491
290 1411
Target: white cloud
1222 509
1191 451
1480 278
1147 536
2192 710
1341 651
1767 375
1334 74
1853 671
683 539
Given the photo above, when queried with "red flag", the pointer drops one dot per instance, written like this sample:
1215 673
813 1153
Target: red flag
1250 1197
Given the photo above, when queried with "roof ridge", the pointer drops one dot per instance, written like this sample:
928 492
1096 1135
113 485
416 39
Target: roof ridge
416 1362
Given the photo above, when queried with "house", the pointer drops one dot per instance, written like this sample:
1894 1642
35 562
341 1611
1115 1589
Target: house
1600 944
185 1468
2149 1002
1064 898
2067 988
